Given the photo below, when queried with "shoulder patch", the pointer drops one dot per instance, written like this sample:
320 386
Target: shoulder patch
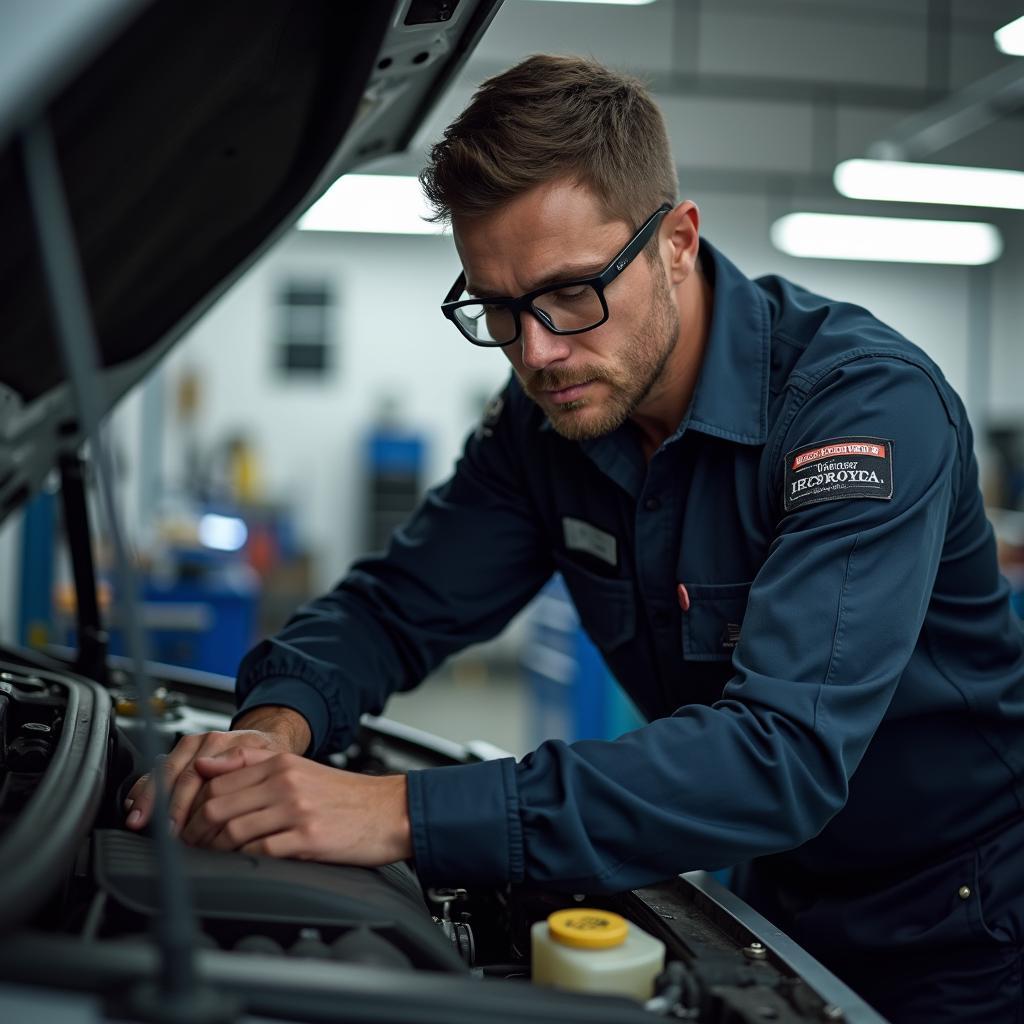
841 467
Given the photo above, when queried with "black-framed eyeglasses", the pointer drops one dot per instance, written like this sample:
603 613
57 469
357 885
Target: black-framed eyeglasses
566 307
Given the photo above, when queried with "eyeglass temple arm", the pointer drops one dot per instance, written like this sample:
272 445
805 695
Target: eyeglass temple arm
456 289
634 247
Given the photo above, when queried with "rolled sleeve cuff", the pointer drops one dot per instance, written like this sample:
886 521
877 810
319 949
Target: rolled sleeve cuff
465 824
290 693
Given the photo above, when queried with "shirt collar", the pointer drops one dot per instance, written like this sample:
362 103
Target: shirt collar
731 397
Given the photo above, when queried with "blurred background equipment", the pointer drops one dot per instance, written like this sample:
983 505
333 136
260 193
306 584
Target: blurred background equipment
572 695
394 472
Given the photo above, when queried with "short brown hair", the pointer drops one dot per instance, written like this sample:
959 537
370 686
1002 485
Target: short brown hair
551 117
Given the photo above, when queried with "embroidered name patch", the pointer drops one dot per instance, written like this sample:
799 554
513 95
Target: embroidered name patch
843 467
581 536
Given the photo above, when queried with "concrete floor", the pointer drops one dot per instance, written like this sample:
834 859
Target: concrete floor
470 699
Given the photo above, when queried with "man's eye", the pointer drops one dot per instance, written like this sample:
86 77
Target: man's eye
568 294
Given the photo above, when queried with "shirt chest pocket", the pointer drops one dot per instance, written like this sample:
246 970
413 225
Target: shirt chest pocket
607 607
712 624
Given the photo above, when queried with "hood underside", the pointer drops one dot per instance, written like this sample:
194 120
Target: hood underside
188 142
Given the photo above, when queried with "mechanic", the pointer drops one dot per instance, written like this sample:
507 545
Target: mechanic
765 506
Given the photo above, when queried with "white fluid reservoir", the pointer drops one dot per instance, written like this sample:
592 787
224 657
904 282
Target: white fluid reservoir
588 950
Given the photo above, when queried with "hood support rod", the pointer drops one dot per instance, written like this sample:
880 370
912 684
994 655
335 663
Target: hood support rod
92 638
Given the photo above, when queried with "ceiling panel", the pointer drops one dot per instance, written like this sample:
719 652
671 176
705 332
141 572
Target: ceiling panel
632 37
814 49
1000 144
887 12
985 15
973 55
739 134
858 127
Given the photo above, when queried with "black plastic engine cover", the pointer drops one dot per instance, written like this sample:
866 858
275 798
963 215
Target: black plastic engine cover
267 891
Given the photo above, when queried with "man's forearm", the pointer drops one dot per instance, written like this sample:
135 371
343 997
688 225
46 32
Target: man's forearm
288 725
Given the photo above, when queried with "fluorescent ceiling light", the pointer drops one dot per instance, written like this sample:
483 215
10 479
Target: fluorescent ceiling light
898 181
831 236
1010 38
373 203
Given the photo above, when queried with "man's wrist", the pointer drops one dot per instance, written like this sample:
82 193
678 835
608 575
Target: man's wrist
284 723
403 825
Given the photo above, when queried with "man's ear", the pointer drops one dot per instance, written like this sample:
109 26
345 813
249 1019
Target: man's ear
680 240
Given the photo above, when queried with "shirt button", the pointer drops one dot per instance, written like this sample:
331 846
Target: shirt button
660 619
652 504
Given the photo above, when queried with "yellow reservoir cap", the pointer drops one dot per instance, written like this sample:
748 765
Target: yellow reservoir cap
584 928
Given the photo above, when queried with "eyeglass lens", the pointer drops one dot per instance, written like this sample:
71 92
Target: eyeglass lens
572 308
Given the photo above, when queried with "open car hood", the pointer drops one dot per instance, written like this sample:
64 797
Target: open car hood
190 135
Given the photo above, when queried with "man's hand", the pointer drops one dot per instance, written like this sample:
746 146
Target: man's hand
273 729
280 805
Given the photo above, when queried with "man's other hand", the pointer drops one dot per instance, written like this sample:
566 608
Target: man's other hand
280 805
270 729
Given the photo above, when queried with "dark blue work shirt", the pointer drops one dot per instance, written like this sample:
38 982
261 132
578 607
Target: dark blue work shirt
840 675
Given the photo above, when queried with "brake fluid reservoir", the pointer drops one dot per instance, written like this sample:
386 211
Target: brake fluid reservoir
595 951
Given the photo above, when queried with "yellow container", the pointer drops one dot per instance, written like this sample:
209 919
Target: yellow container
588 950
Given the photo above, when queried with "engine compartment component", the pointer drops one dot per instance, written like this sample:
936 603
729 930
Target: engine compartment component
78 897
31 715
305 909
54 756
588 950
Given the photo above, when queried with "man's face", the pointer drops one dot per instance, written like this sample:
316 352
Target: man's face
587 384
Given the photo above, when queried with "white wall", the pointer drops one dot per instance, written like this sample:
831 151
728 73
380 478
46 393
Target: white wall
392 341
1006 395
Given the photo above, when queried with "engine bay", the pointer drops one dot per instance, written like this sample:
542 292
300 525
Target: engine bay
80 906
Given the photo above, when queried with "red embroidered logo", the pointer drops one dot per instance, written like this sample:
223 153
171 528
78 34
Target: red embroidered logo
831 451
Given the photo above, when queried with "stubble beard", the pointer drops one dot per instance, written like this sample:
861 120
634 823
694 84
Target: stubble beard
640 366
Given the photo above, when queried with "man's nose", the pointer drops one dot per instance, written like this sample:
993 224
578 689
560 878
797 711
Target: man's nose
541 347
